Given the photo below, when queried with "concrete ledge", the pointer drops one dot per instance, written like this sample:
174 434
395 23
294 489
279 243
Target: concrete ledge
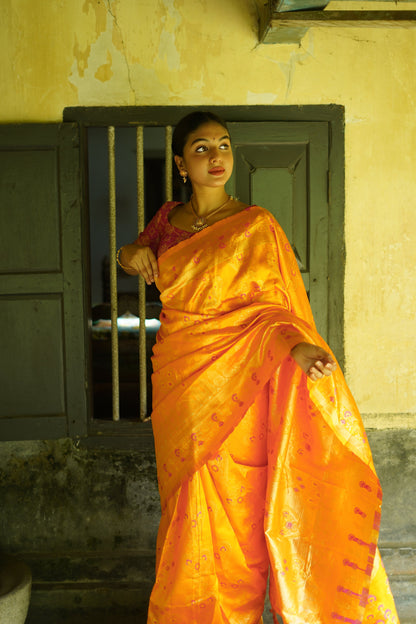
403 588
81 606
389 421
91 587
52 570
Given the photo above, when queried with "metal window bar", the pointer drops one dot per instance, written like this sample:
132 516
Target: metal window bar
168 163
113 272
142 284
113 263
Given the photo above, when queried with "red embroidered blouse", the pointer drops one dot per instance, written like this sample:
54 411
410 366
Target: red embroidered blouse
159 234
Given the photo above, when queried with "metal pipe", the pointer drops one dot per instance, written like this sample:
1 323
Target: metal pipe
168 163
113 273
142 284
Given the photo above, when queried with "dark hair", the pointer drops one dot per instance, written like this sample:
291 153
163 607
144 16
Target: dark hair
189 124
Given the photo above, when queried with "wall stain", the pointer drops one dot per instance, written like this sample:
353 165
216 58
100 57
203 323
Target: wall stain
100 14
104 72
81 57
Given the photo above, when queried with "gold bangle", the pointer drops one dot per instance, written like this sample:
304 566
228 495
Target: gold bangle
118 261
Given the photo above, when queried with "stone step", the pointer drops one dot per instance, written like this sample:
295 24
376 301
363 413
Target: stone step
114 587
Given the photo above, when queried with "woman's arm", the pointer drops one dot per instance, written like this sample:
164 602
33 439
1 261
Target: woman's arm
138 260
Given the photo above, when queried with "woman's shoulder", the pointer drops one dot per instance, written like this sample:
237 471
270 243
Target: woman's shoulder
264 217
258 212
165 209
252 210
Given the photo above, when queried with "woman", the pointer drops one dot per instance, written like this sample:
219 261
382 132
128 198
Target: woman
263 463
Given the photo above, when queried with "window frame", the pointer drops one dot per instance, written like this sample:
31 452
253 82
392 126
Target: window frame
127 434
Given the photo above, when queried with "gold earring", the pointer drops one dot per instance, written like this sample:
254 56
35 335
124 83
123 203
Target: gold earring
184 177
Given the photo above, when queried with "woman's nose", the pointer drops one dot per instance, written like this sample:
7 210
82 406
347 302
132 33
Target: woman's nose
214 155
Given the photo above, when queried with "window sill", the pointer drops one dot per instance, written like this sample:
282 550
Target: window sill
124 435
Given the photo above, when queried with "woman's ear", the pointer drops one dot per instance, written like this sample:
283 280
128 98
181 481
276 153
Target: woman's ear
181 168
179 163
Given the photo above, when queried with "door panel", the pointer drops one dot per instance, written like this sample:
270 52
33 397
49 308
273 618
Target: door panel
33 341
42 363
30 216
283 167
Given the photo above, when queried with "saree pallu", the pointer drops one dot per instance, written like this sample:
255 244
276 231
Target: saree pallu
262 473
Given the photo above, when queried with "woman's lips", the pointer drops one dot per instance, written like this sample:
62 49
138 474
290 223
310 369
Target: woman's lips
217 171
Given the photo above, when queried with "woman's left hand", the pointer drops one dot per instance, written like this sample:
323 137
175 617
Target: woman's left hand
313 360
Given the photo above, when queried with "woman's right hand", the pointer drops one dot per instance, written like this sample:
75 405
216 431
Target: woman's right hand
137 260
313 360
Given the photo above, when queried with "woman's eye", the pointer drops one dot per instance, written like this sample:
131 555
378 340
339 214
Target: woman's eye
225 146
201 148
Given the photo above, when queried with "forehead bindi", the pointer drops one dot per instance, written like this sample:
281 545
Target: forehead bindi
208 132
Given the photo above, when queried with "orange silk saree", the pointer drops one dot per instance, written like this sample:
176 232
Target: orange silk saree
261 471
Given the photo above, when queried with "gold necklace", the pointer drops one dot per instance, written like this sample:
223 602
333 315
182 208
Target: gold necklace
200 223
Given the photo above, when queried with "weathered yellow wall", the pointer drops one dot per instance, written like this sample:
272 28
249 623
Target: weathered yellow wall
58 53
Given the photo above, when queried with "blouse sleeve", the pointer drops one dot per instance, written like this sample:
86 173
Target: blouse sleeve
153 232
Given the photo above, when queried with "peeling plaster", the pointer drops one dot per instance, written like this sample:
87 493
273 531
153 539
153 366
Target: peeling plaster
101 70
172 18
148 83
355 120
254 98
167 51
193 93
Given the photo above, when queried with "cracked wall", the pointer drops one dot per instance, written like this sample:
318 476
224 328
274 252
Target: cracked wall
173 52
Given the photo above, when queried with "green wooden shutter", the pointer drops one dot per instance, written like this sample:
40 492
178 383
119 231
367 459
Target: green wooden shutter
283 166
42 359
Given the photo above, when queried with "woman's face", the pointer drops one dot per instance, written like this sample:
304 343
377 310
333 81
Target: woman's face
207 156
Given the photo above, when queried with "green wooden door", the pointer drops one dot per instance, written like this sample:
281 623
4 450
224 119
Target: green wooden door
283 166
42 363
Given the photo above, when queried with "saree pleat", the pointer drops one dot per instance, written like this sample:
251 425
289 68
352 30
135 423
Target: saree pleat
258 467
212 538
